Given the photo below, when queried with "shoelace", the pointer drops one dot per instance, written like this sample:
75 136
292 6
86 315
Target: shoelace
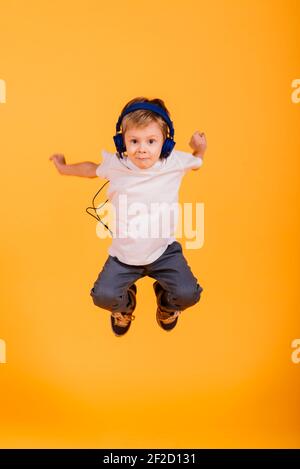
122 319
168 318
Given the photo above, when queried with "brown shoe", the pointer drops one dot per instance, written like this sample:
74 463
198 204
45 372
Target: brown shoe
121 322
165 320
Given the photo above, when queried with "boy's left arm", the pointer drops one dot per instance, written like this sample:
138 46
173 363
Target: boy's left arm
198 144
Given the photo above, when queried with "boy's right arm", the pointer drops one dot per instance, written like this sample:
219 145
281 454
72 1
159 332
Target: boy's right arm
85 169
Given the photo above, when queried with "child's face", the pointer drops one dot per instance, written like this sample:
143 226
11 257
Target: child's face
144 144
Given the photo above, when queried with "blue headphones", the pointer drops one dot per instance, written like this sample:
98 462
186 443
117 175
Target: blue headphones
168 143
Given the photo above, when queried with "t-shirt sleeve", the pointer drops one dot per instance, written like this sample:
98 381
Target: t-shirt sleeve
103 170
188 160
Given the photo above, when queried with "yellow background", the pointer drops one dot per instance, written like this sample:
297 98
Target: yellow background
224 377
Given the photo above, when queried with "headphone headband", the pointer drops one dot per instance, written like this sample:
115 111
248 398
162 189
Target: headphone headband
148 107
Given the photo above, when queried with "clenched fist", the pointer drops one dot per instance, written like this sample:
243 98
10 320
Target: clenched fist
198 142
58 160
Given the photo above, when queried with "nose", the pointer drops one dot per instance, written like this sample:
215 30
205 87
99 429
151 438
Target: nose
141 150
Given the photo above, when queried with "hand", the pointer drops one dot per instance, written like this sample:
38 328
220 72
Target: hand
198 142
58 160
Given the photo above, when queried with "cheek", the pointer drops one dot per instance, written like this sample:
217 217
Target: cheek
130 148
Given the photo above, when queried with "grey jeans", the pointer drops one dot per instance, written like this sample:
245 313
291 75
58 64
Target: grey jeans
170 270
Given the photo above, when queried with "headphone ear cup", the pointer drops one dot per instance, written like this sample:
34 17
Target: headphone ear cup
118 139
167 147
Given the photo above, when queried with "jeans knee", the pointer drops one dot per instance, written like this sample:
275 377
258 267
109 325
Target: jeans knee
104 298
198 292
189 295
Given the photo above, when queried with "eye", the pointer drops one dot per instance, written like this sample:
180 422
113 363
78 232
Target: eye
151 140
133 140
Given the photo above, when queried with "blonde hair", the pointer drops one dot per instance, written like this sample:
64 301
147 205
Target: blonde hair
144 117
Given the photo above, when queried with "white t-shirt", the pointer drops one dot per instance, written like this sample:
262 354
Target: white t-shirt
144 203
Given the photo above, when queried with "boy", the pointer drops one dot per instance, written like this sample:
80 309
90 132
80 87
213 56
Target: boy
145 169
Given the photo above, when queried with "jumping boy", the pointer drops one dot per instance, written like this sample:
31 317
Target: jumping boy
145 169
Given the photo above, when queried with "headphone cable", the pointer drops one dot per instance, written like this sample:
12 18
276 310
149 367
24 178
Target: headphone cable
96 208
